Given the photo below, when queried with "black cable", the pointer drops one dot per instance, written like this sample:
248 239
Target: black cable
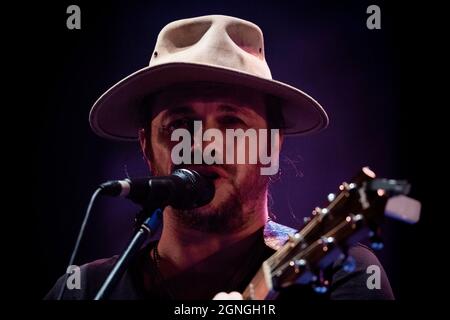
77 244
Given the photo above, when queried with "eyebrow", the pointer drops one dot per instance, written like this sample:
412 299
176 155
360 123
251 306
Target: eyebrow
186 110
226 108
183 110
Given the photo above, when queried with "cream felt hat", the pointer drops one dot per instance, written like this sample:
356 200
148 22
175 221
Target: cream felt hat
213 49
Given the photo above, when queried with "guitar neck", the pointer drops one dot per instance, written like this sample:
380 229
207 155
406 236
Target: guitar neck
348 217
260 288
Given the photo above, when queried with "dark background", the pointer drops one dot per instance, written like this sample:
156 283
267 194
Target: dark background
367 80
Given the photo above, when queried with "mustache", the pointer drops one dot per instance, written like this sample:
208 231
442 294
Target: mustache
220 170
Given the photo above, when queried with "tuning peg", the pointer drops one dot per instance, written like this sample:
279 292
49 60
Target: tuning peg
376 242
295 238
321 289
298 265
378 245
349 264
331 197
321 284
347 186
320 211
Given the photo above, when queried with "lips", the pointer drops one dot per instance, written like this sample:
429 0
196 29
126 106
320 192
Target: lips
209 175
210 172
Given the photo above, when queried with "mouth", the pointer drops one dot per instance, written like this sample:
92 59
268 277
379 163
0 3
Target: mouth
210 175
209 172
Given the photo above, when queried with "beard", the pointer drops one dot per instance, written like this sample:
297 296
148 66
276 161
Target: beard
236 200
234 209
233 206
223 217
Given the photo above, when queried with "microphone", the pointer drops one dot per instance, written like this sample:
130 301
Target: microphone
183 189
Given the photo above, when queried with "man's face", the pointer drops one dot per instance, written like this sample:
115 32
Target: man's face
240 188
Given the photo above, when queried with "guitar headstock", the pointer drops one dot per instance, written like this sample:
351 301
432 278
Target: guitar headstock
353 213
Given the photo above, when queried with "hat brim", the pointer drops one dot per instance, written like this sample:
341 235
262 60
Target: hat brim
116 114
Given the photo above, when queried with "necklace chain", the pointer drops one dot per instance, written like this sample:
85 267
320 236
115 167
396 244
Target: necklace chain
156 257
159 276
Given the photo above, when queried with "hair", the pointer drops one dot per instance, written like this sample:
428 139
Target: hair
145 111
274 115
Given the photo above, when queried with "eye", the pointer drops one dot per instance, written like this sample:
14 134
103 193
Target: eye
231 121
182 123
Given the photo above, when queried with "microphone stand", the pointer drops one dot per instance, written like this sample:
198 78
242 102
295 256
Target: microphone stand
148 227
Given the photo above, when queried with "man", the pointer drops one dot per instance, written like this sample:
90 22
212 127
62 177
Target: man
211 71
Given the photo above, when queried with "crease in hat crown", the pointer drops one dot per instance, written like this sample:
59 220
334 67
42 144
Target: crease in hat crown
215 40
214 48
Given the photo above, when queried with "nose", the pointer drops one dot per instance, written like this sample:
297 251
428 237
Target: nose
206 147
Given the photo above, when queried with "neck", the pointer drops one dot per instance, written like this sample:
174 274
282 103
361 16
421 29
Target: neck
182 248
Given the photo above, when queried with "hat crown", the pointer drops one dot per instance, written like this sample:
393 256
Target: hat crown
215 40
212 49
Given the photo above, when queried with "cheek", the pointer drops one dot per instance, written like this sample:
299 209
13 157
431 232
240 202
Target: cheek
246 175
161 156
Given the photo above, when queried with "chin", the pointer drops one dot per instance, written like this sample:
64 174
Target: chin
223 195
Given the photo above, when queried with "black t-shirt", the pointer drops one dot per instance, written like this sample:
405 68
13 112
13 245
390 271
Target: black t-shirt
142 280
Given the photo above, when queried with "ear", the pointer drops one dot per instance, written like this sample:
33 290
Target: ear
145 146
281 139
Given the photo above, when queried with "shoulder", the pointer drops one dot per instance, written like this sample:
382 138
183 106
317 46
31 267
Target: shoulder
85 280
275 234
367 280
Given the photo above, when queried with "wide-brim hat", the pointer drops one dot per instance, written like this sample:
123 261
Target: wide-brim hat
211 49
